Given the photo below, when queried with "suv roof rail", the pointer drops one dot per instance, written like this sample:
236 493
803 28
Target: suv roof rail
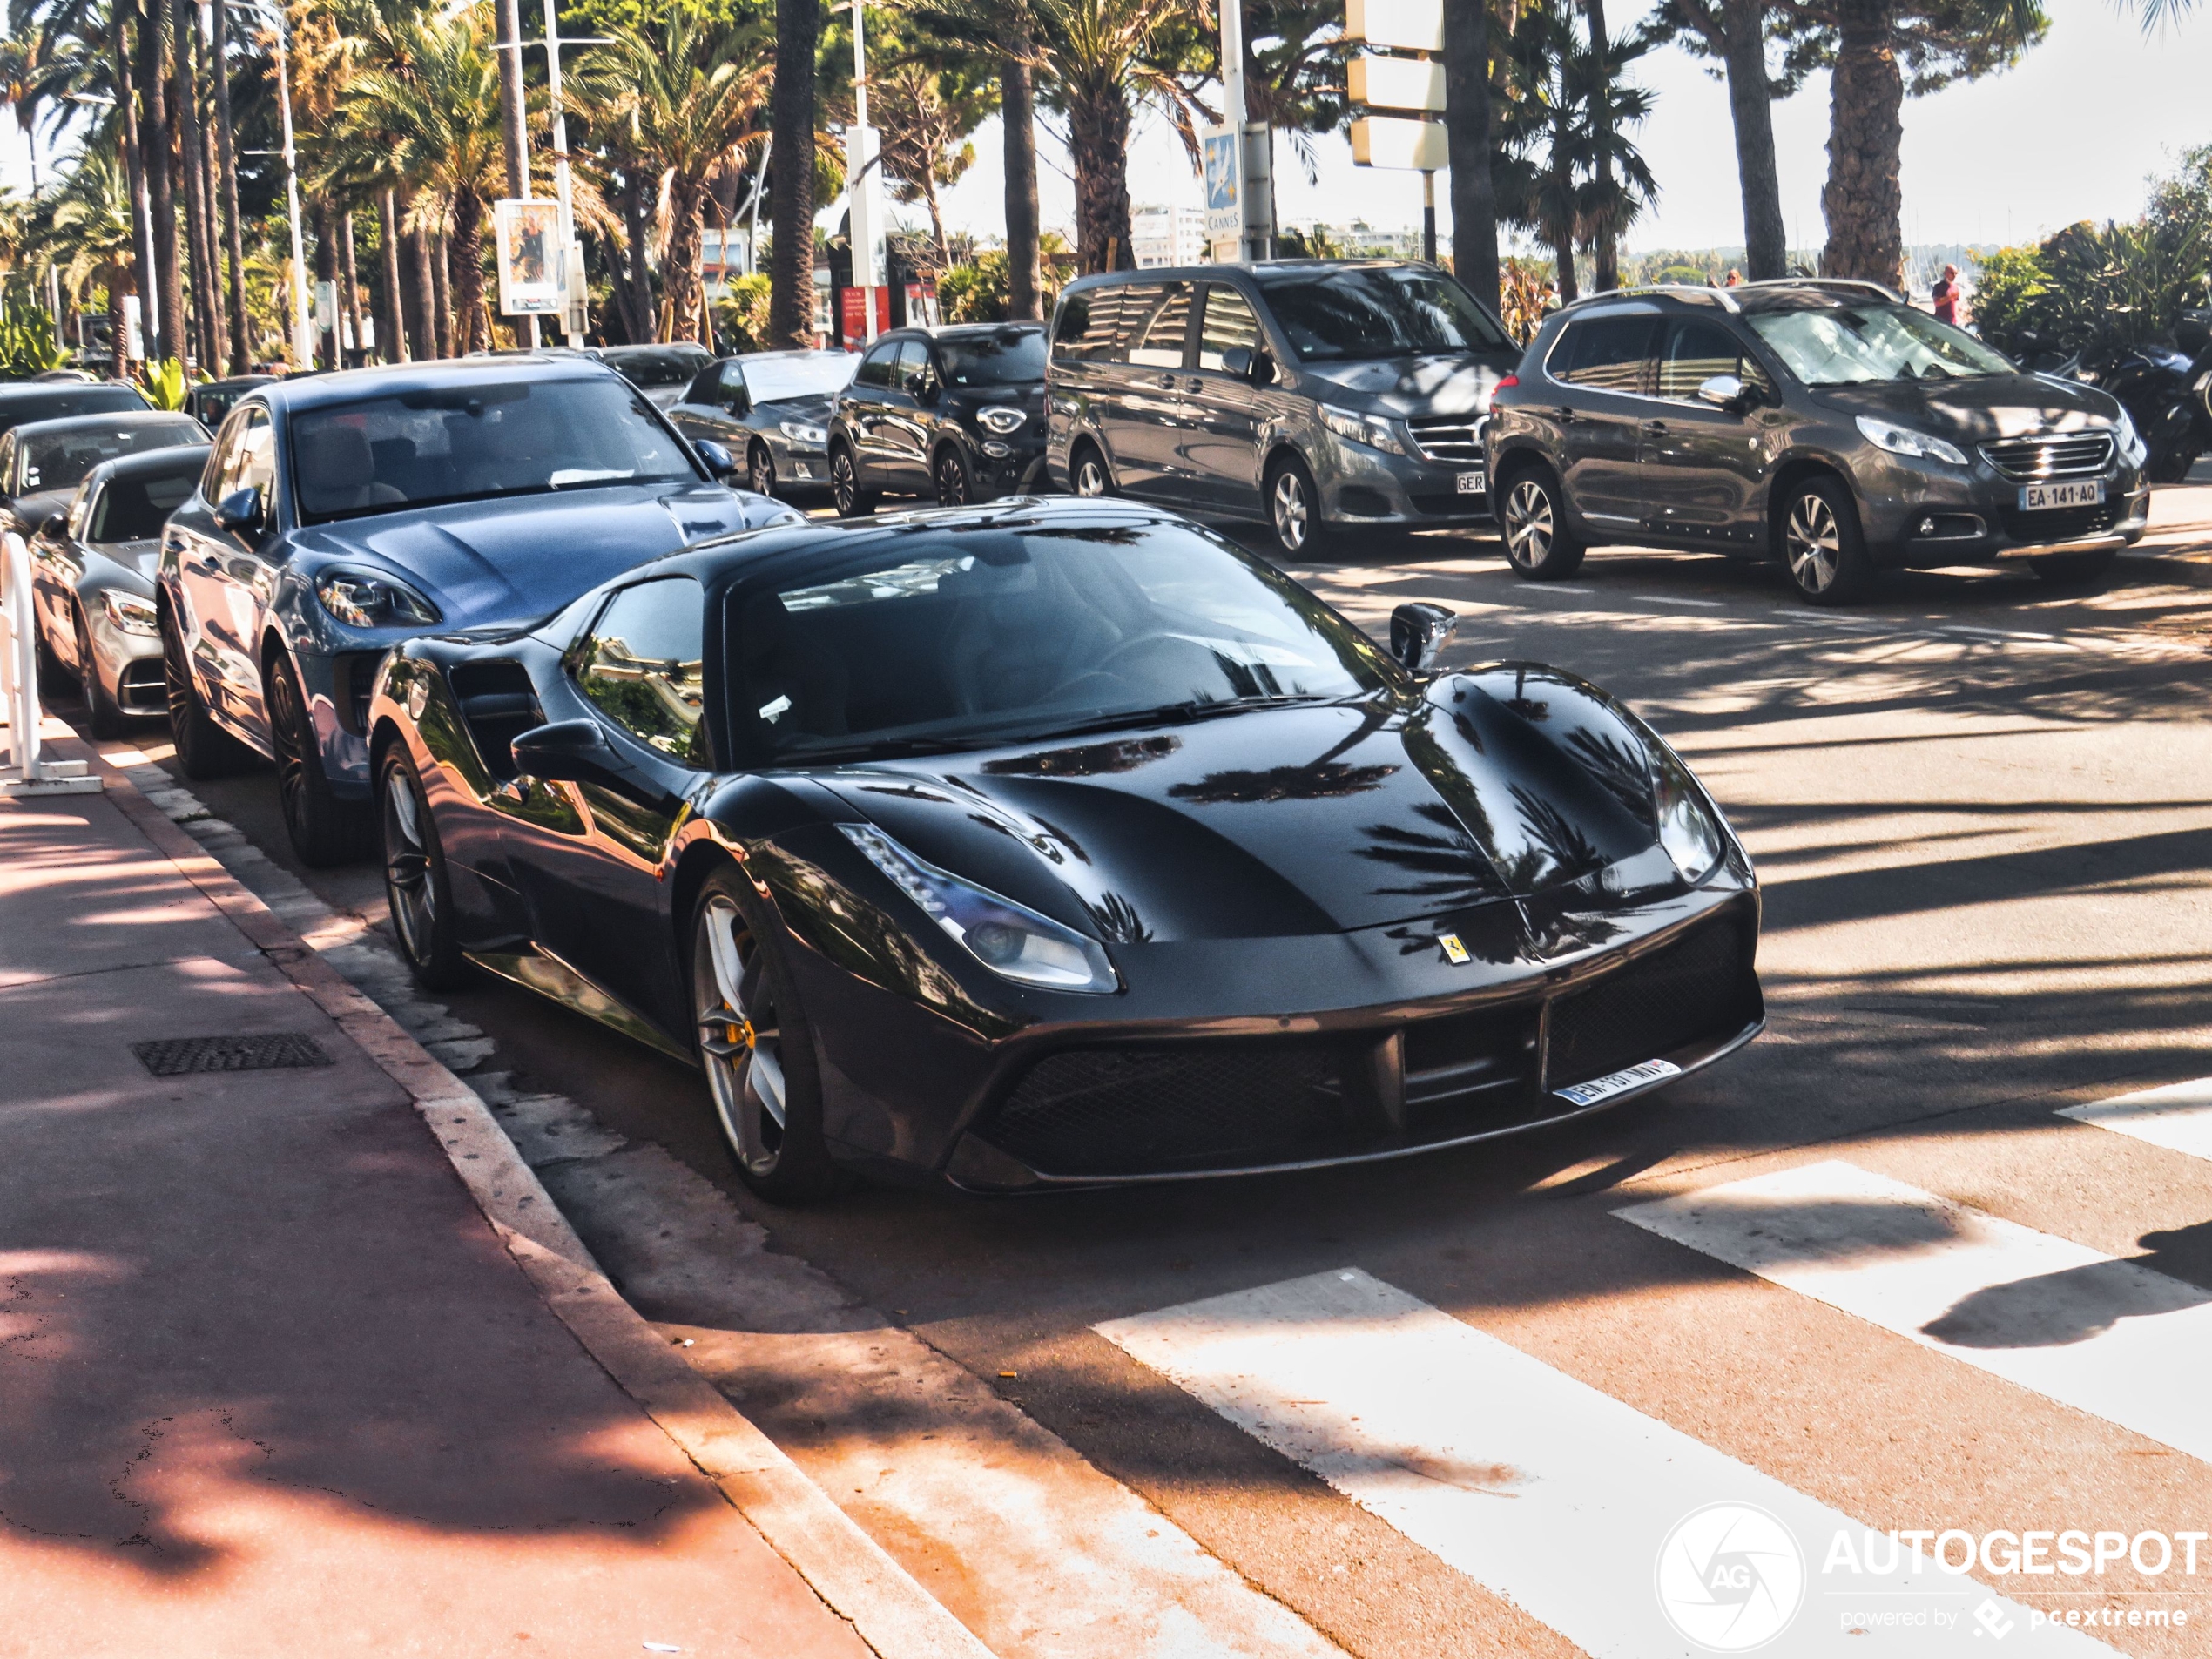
1887 292
1697 292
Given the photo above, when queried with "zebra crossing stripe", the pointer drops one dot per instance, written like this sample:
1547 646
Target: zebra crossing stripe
2177 1117
2105 1336
1625 1535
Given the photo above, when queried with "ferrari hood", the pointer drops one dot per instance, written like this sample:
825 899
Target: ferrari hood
1304 820
524 555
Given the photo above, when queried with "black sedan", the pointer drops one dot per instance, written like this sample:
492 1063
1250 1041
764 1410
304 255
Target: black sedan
771 410
1060 843
956 414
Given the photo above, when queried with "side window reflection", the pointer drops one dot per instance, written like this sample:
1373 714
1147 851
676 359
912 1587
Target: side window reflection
641 666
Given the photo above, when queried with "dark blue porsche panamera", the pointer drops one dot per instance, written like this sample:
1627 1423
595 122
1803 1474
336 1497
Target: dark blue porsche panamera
342 515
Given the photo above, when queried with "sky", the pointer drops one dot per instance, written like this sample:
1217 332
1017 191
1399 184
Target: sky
2072 133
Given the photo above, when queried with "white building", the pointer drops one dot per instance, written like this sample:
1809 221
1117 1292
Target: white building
1161 236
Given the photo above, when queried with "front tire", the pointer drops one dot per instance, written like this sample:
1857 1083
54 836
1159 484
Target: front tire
324 830
760 470
853 501
955 487
1294 510
1823 552
104 715
757 1048
1087 474
418 889
204 749
1538 544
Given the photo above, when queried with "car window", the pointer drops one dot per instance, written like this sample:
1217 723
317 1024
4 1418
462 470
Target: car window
254 461
1697 351
731 392
1091 325
133 508
1229 324
7 463
640 666
1140 302
60 460
1012 356
1605 353
657 365
916 373
1160 345
80 505
879 366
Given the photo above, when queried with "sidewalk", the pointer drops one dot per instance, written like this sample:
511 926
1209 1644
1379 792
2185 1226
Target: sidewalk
270 1381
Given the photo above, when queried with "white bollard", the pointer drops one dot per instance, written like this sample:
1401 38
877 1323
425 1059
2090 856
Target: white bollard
24 772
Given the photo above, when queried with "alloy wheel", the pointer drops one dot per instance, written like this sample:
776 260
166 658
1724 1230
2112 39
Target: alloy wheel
843 485
739 1039
1091 475
951 481
1813 543
763 470
407 867
288 721
1292 513
1530 524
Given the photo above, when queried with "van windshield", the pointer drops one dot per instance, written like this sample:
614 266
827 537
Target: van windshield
1360 313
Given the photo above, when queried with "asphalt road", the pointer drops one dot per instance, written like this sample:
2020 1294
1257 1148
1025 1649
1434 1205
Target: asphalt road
1979 807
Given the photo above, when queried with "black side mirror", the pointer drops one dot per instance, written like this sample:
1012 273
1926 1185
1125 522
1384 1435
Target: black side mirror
56 525
239 510
1262 368
1237 362
719 461
1418 632
928 392
567 751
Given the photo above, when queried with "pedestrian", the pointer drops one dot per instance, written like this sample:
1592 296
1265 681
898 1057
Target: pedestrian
1734 278
1947 296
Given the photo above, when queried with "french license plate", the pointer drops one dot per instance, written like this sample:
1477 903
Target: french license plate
1589 1094
2035 498
1474 483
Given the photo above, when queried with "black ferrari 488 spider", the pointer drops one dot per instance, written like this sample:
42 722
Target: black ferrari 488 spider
1060 843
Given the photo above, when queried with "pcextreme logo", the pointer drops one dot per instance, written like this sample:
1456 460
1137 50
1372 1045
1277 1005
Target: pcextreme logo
1729 1577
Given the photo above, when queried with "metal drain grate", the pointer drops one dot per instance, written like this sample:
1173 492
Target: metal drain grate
174 1056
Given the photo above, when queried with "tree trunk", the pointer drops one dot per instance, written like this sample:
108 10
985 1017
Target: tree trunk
350 296
1469 141
391 320
466 250
326 258
1863 202
680 265
637 309
161 202
1098 122
1750 105
211 215
1606 243
441 271
1018 114
421 290
1563 257
135 174
791 195
226 156
514 136
186 106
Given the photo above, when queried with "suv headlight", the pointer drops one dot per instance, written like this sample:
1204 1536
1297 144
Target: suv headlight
1376 431
360 600
806 432
1001 419
2133 450
131 614
1688 829
1011 940
1903 440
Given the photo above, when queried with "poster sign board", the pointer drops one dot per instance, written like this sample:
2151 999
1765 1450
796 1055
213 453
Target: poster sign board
1398 84
1225 209
1404 25
1399 141
532 262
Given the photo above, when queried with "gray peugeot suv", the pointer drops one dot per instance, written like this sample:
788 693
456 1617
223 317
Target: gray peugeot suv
1314 394
1824 424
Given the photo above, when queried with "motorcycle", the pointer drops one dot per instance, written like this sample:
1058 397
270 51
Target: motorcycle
2165 390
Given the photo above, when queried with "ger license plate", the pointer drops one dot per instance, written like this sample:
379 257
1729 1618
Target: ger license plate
2035 498
1474 483
1589 1094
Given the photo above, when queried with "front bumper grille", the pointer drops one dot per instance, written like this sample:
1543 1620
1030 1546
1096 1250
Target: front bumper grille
2030 461
1698 989
2064 524
1451 440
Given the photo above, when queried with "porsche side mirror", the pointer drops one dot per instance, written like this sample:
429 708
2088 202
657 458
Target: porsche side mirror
1724 391
719 461
239 510
56 525
574 752
1418 633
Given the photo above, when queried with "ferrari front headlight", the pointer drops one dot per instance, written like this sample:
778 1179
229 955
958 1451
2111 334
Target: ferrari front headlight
1688 829
1010 938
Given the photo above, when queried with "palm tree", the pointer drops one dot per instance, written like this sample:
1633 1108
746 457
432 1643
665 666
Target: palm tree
95 237
925 115
1620 182
1542 160
693 94
1735 32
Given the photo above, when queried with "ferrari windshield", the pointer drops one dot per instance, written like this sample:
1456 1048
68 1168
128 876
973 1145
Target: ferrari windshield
467 442
1848 345
956 638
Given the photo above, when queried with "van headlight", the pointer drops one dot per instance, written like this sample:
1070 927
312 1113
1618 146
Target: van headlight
1376 431
362 600
1688 828
2133 450
1011 940
1903 440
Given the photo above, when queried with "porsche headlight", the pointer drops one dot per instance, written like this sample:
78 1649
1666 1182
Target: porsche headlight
806 432
360 600
1376 431
1905 440
131 614
1000 419
1688 829
2133 450
1010 940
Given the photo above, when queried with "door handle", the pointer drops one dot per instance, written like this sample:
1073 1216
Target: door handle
1655 427
1194 384
1567 417
1167 380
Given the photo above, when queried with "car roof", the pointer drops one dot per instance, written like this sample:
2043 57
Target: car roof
1777 294
38 391
149 460
62 425
348 386
234 380
801 353
955 330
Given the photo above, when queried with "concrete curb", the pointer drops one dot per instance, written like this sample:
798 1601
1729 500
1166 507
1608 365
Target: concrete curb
852 1574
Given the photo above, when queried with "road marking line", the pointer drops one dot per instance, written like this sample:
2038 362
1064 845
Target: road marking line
2105 1336
2177 1117
1677 599
1552 1495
